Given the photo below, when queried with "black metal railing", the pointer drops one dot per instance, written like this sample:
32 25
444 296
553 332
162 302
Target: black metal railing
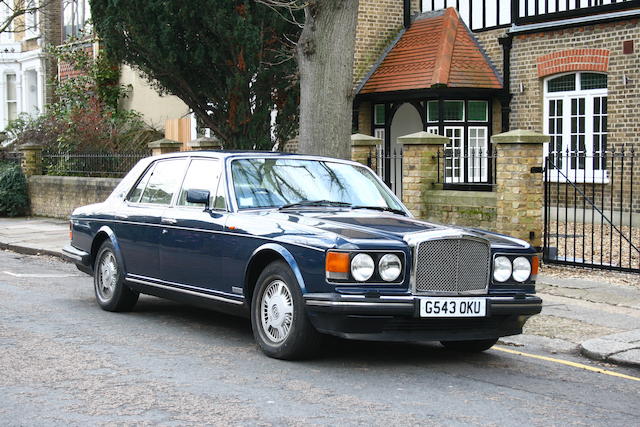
113 165
482 15
388 165
592 209
11 156
472 169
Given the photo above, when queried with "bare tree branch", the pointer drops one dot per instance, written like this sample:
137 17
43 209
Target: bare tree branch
289 6
11 10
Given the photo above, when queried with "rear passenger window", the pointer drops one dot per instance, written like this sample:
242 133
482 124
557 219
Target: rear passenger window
164 182
203 174
135 194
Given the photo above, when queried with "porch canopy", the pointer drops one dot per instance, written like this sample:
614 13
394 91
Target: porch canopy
436 51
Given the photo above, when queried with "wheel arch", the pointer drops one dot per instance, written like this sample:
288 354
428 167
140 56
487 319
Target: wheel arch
263 256
106 233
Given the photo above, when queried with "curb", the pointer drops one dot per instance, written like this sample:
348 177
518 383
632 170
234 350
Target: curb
621 349
32 251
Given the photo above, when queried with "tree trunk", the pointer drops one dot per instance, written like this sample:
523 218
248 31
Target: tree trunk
325 59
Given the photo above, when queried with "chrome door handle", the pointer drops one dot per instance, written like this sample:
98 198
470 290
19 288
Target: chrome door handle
168 220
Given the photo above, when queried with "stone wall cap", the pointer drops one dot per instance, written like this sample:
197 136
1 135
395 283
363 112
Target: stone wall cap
423 138
164 143
520 136
205 142
359 139
31 146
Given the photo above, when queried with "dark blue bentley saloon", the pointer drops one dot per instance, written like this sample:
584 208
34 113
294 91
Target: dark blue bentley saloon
304 246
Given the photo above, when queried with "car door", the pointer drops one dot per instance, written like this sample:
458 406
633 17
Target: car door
138 222
191 246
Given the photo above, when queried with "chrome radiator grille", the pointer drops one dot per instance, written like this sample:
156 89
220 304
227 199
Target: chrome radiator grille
452 266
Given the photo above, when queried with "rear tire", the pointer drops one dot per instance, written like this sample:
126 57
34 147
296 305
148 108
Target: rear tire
278 316
471 346
112 294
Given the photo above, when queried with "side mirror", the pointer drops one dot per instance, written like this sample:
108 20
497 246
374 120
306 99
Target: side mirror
199 196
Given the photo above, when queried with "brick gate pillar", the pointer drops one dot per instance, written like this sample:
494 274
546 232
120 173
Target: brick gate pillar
519 184
419 168
363 149
31 159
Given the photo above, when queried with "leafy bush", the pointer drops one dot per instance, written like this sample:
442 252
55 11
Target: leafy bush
14 199
85 116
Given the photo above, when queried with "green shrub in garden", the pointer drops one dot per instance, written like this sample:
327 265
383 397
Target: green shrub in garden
14 199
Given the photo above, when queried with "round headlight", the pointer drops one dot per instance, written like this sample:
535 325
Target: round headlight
362 267
501 269
521 269
389 267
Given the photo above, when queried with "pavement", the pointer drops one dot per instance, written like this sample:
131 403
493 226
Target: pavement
599 319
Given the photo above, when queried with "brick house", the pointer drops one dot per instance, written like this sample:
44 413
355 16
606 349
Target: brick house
570 70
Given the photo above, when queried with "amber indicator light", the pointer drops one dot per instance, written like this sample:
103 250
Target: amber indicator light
337 262
535 262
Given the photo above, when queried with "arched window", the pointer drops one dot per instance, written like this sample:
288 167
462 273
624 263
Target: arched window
575 118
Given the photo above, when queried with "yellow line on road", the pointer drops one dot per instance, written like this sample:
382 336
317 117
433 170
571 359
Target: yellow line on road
568 363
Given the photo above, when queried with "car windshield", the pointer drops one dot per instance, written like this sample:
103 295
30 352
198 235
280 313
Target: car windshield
290 182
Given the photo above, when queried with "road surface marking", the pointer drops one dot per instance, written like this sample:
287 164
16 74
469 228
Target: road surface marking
568 363
40 276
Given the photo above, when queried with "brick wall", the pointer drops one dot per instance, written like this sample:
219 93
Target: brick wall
488 40
470 208
58 196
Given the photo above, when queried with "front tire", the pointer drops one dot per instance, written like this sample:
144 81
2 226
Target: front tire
471 346
278 317
112 294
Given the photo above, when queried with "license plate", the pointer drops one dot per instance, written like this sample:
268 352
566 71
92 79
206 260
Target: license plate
453 307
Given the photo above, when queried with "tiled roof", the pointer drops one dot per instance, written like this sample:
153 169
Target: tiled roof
437 49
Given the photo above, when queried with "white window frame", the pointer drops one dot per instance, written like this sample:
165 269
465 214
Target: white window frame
76 17
565 172
5 95
455 144
31 20
478 162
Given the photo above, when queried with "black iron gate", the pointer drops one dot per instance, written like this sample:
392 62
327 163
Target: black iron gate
592 210
388 165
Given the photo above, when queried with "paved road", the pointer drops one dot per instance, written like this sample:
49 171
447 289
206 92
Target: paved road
65 361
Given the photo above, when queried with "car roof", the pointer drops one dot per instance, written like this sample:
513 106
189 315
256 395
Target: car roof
229 154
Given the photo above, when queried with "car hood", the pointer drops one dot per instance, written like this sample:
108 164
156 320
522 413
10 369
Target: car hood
356 226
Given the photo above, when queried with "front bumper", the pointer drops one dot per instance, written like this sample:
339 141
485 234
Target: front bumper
395 318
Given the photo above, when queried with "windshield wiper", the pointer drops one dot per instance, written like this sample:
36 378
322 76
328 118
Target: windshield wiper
304 203
381 208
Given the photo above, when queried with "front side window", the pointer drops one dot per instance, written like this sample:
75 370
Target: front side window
163 182
575 118
203 174
273 183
